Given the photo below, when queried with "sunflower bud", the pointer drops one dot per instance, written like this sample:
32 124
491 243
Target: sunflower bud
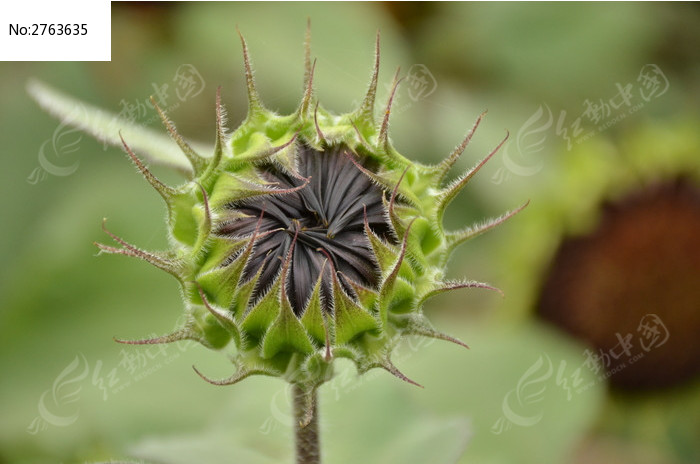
307 237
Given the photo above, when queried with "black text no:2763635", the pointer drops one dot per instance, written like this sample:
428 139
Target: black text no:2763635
49 29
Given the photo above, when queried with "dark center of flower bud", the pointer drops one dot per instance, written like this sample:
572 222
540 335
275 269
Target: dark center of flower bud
327 218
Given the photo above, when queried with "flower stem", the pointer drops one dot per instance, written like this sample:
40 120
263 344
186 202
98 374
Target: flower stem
307 442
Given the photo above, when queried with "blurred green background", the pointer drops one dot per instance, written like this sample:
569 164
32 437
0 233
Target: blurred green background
522 394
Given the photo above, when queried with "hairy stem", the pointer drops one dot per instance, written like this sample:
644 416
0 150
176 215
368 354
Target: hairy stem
307 442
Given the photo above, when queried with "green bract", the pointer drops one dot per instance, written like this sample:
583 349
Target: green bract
307 237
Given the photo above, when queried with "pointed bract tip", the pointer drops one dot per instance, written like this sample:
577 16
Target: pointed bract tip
454 340
254 104
452 158
452 286
454 239
239 375
366 110
197 162
220 142
384 130
393 370
451 191
424 329
235 378
165 191
128 249
308 91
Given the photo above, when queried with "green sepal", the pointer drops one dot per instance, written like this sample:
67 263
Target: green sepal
366 296
335 129
247 141
426 238
388 285
286 334
313 319
351 319
397 219
223 282
219 251
257 321
184 226
393 158
263 149
242 295
213 333
317 369
203 216
365 113
402 297
348 352
230 187
223 316
383 253
248 144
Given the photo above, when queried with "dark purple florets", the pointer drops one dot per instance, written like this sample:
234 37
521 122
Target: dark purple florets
327 216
